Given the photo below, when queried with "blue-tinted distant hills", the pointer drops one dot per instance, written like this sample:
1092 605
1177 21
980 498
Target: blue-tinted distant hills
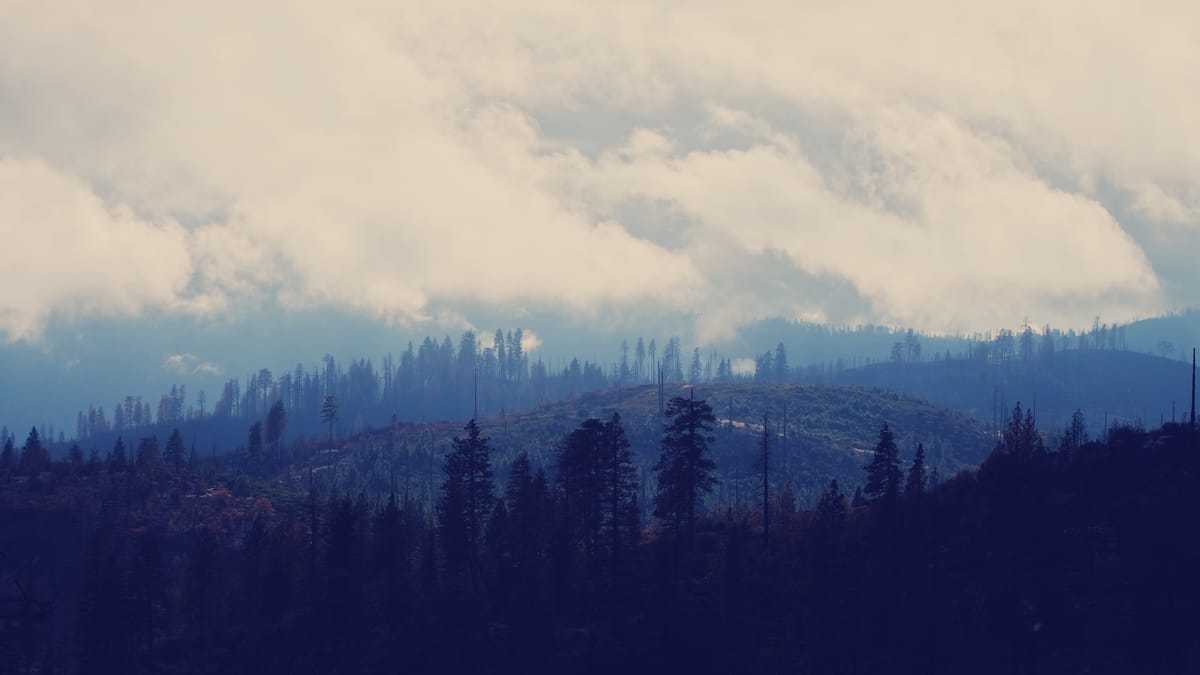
101 361
1123 387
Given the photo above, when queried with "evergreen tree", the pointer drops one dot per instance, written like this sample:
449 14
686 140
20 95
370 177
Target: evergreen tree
581 485
8 456
639 360
147 453
620 498
596 483
696 368
883 473
764 369
501 355
914 487
467 500
831 510
390 562
174 451
345 562
276 427
1075 435
516 356
526 512
783 372
1021 438
117 460
75 456
33 454
684 471
329 413
254 444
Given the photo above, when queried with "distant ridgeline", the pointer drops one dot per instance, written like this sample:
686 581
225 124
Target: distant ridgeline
1101 372
1109 387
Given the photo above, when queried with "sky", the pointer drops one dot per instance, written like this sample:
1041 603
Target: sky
944 165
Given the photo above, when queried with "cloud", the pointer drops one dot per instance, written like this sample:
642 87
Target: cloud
530 342
933 163
944 229
67 252
178 364
188 364
1153 202
207 368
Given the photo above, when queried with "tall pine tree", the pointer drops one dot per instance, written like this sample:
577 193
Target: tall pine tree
467 500
883 473
684 470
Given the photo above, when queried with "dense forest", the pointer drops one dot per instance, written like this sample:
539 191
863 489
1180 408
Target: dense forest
1099 371
1070 556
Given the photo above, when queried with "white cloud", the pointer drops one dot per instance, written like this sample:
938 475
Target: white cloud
178 364
945 229
530 342
1157 204
939 159
67 252
184 364
206 368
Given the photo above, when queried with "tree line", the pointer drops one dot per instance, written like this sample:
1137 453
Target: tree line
432 380
1069 558
442 379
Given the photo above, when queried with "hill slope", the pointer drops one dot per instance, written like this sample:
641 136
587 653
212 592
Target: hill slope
829 434
1125 387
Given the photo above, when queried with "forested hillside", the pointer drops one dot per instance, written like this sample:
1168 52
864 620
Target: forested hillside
819 433
1104 369
1119 387
1072 558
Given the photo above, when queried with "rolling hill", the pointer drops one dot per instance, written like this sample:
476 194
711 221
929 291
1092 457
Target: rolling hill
830 431
1120 386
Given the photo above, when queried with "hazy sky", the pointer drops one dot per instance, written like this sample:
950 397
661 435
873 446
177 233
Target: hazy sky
947 165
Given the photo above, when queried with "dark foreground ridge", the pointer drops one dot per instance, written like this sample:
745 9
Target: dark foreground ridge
1079 559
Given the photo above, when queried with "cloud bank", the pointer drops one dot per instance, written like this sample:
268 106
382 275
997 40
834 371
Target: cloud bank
948 166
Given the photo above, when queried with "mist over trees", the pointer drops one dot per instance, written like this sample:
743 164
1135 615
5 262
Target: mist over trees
485 375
